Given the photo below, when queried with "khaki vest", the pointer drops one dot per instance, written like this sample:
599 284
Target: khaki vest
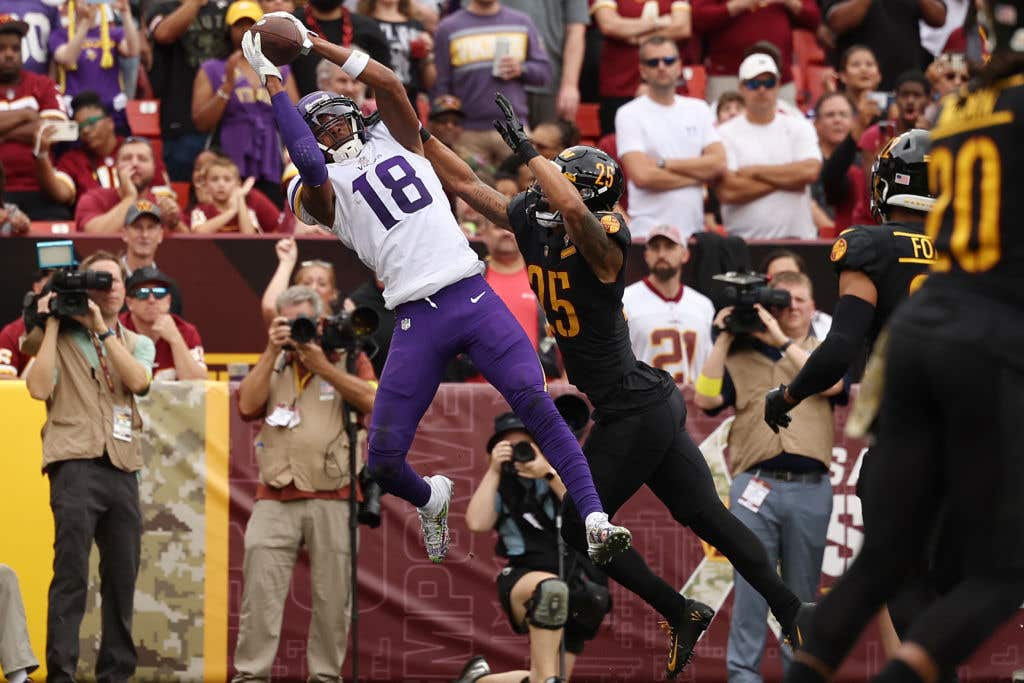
80 411
752 441
314 455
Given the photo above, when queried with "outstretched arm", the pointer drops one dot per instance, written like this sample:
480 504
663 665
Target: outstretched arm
456 176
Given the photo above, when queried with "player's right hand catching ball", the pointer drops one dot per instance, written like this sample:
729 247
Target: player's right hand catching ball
257 60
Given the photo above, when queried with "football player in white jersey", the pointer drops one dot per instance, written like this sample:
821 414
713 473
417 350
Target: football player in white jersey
669 323
373 188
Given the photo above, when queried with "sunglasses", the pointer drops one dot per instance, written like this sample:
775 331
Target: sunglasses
755 83
318 263
955 76
142 293
91 121
653 62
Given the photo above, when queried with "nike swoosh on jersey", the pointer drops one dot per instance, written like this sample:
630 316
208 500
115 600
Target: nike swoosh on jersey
474 299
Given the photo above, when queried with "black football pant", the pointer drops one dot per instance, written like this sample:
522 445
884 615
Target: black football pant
652 448
93 501
947 439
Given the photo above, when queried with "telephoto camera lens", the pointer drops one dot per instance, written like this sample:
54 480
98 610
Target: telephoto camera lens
303 329
523 452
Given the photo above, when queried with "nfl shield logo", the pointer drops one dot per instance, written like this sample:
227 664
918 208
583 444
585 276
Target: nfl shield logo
405 324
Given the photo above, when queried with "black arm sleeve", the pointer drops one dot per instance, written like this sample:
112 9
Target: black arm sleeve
833 171
830 361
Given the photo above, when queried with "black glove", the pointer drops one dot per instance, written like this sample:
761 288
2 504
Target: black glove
776 407
512 132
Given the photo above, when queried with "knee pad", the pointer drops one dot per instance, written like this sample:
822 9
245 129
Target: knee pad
548 607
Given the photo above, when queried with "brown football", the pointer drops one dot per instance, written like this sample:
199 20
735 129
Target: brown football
279 39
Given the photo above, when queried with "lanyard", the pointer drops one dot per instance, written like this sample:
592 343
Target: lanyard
300 383
103 361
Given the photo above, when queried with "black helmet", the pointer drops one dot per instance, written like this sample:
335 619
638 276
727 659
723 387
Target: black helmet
594 173
900 175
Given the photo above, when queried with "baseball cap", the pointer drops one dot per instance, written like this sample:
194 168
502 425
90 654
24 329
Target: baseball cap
503 424
757 64
243 9
11 24
148 275
446 104
669 232
142 207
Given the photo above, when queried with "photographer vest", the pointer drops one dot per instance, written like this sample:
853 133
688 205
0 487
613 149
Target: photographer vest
313 455
752 441
80 411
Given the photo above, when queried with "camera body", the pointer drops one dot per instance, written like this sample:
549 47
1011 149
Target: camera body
70 286
744 290
346 330
521 452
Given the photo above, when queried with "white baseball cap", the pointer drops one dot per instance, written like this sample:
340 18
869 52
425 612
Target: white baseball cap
757 64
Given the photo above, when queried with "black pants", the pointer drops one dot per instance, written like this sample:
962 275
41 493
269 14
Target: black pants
652 448
949 442
93 501
39 207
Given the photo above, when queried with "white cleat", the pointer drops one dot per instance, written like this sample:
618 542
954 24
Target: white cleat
434 517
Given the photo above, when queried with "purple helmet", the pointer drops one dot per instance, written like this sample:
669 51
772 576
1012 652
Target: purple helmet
336 122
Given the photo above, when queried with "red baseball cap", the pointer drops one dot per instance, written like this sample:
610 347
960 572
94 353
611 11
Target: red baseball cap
11 24
669 232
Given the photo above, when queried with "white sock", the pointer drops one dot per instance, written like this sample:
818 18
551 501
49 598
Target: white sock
595 517
17 676
437 490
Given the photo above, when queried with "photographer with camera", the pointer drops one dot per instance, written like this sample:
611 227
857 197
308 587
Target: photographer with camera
301 388
519 497
89 369
780 487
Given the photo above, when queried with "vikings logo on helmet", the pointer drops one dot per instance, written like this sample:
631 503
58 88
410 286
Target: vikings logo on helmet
899 176
594 174
336 122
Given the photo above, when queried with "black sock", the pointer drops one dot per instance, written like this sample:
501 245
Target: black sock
897 671
630 570
802 673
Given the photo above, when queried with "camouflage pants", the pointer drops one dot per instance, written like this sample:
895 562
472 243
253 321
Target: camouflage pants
272 539
15 649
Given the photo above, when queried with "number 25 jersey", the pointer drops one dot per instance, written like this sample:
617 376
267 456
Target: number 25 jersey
390 209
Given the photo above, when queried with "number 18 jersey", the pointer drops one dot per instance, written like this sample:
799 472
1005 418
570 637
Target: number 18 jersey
391 210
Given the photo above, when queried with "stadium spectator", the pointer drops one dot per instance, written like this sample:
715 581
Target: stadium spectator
728 106
772 157
303 491
412 48
92 163
890 29
727 27
342 27
623 24
913 93
841 189
521 501
229 103
13 362
142 236
780 481
42 17
785 260
934 38
481 49
562 25
669 323
13 221
277 6
234 206
27 100
446 122
551 137
199 192
103 209
89 375
16 657
185 33
179 348
946 74
318 275
668 145
860 79
87 50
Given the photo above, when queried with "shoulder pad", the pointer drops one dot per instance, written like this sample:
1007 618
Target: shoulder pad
615 227
855 249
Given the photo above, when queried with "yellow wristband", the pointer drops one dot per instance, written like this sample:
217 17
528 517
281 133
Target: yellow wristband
706 386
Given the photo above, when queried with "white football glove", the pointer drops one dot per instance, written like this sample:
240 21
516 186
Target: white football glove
304 32
257 60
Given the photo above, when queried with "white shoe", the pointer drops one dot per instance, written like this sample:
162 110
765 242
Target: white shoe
604 539
434 517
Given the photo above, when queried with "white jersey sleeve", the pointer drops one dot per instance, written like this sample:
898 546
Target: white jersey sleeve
672 335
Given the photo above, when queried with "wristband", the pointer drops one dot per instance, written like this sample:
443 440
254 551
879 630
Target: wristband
424 135
525 151
707 386
786 345
106 335
355 63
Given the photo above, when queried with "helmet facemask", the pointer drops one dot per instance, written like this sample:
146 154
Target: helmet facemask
337 125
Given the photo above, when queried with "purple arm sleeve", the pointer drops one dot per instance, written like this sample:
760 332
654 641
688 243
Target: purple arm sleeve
298 138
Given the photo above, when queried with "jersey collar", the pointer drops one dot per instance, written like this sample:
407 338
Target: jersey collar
676 299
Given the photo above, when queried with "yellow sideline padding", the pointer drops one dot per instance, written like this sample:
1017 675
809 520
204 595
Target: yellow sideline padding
215 598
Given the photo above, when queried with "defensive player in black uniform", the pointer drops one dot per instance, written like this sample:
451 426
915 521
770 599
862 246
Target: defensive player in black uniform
949 432
575 248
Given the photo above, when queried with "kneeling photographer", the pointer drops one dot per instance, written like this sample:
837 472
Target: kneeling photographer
519 497
780 487
310 375
89 369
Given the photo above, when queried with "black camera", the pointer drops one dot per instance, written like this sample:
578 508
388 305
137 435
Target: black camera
71 286
521 452
303 329
346 331
744 291
369 506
